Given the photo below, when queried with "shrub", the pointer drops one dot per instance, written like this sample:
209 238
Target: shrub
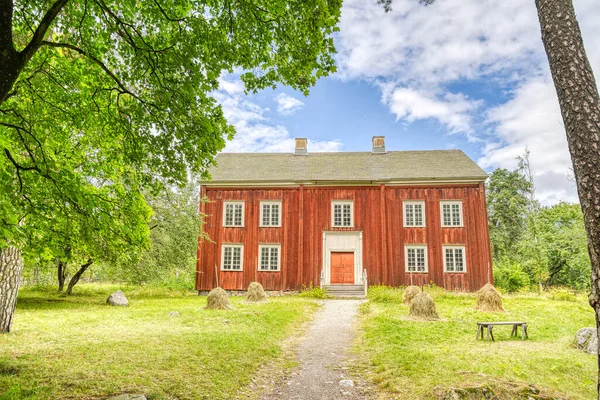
314 293
384 294
510 277
562 294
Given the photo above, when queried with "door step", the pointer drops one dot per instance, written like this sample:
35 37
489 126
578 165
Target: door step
345 290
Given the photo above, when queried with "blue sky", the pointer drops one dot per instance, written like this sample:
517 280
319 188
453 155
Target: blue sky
467 74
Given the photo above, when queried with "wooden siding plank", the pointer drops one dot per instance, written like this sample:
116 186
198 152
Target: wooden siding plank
306 213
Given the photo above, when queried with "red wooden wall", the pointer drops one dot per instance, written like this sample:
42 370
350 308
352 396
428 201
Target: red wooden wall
306 213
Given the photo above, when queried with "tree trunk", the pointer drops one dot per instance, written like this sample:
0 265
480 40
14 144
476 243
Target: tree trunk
77 276
11 266
580 107
62 275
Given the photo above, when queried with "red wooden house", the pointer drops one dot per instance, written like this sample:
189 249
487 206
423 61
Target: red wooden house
393 218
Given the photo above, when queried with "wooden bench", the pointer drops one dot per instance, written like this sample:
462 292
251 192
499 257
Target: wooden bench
490 326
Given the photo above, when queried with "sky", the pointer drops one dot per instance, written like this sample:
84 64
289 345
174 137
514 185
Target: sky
461 74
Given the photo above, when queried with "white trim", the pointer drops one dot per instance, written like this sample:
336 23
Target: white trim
225 203
407 202
235 245
267 245
270 202
415 246
451 202
395 182
464 251
342 241
342 202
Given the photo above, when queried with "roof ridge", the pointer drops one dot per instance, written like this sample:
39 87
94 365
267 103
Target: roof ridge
340 152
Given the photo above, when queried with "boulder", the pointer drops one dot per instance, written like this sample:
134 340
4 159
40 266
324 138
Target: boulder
117 299
586 339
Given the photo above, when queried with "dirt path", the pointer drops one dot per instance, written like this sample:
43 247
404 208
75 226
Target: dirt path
322 354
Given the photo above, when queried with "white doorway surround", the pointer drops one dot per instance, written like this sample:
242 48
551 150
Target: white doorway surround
343 241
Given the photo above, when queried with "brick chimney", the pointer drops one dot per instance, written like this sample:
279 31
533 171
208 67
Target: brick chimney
301 147
378 144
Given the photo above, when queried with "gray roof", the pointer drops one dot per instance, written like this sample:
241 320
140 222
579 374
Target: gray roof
346 166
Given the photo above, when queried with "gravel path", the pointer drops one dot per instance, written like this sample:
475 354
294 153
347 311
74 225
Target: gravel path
322 355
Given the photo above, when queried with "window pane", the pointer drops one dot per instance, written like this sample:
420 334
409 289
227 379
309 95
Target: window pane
456 214
459 260
237 259
238 215
410 221
228 214
411 260
447 214
227 258
275 214
264 258
266 219
420 260
418 214
274 256
449 260
337 215
347 215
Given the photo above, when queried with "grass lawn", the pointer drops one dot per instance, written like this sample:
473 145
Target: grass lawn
79 348
407 358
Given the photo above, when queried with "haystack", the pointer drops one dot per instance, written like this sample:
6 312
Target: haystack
409 293
256 293
423 307
489 299
217 300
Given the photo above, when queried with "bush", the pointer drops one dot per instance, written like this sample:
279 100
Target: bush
385 294
314 293
510 277
562 294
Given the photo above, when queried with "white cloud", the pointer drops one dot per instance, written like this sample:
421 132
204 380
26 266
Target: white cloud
417 54
255 131
450 40
287 105
451 110
532 119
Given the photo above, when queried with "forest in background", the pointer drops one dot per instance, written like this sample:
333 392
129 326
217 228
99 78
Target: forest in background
534 247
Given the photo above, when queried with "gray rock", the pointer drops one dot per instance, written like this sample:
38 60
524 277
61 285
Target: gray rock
586 339
117 299
346 383
129 397
173 314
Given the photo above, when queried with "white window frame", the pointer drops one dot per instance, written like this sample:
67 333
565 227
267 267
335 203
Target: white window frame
342 202
415 246
267 245
451 203
235 202
412 202
234 245
453 247
270 203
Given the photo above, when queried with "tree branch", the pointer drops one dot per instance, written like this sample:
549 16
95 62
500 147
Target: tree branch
40 32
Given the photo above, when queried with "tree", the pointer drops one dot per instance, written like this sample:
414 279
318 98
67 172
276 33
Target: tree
579 102
103 101
175 229
508 206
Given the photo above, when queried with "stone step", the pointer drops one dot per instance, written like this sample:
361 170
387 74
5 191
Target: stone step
345 290
343 287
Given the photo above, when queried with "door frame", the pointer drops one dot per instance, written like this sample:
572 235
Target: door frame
346 242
